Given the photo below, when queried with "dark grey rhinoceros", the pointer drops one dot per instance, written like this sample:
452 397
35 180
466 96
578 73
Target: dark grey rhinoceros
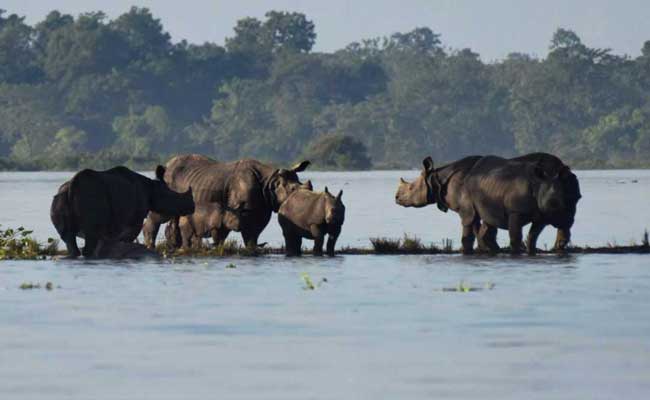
510 193
311 215
538 187
111 206
248 188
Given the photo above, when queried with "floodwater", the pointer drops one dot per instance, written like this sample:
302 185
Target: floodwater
379 327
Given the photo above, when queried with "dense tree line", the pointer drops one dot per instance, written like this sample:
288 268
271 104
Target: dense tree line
89 91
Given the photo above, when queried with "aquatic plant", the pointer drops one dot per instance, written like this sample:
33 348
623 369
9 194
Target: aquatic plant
411 244
30 285
385 245
447 245
309 284
18 244
465 288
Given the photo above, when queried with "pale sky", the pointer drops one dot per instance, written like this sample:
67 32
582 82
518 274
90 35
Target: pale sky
492 28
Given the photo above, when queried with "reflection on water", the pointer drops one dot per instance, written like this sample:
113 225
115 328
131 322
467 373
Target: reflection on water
570 327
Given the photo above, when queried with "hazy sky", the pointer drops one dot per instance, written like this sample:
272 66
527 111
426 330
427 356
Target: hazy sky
492 28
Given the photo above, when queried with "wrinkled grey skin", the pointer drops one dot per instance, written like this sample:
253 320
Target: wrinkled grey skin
443 186
110 206
311 215
429 187
123 250
207 220
509 194
248 188
563 221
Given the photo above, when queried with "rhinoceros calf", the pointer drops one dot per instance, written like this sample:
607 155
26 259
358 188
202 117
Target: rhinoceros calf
311 215
207 220
111 206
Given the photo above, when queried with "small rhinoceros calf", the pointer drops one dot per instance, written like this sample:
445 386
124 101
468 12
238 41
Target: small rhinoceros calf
207 220
311 215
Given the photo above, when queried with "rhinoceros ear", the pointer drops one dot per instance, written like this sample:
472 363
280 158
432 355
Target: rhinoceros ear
160 172
326 191
402 180
309 186
428 164
301 166
338 196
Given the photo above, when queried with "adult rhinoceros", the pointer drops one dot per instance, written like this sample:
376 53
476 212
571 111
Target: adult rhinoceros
111 205
510 193
551 184
250 189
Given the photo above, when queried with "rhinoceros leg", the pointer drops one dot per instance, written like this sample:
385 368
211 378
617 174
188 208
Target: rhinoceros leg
292 243
150 230
173 234
90 246
487 238
219 236
468 239
514 229
562 239
533 233
318 245
70 241
250 237
331 242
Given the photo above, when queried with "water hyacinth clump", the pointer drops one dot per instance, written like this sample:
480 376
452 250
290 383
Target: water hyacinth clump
18 244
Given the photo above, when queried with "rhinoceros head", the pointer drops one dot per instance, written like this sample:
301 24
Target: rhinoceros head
422 191
550 190
168 202
334 208
282 183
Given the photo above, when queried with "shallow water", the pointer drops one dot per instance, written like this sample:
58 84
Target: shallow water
569 327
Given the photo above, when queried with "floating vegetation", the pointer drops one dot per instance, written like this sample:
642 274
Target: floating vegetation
466 288
29 285
18 244
231 266
309 283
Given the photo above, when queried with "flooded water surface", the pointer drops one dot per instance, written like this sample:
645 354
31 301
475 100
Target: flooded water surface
375 327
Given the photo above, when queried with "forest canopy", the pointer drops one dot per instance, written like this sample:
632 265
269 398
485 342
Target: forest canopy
87 91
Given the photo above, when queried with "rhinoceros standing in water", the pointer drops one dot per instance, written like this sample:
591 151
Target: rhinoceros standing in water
537 187
311 215
510 193
248 188
111 205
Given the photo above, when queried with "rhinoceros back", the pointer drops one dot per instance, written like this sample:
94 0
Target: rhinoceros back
210 180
